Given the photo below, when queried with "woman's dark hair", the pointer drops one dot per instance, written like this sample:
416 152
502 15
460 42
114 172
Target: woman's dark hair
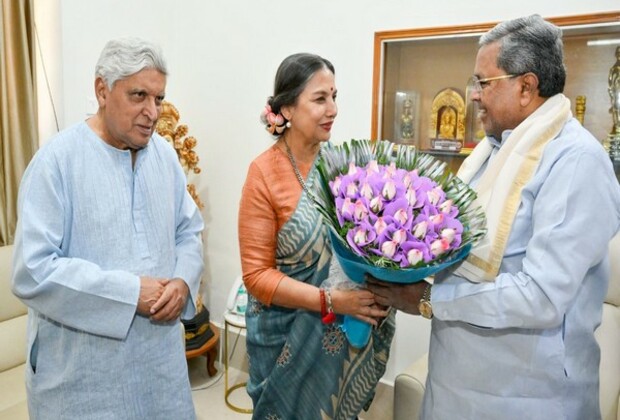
292 77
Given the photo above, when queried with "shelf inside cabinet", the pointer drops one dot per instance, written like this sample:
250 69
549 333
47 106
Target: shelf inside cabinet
453 159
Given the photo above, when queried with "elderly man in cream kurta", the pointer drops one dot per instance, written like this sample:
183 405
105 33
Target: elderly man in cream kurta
108 255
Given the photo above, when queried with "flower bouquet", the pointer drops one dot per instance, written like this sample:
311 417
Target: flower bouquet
394 212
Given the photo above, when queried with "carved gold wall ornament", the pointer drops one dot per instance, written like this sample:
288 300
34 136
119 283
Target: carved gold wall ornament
176 134
169 128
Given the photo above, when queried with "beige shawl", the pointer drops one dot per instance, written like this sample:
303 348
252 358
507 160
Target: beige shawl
499 187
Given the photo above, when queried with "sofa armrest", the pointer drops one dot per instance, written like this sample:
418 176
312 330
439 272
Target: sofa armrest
409 389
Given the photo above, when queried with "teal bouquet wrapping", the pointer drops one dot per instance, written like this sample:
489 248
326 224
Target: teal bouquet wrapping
393 212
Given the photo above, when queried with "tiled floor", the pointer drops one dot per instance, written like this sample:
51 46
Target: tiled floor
208 392
208 395
209 400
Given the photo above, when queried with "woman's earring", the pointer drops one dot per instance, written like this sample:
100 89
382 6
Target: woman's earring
288 124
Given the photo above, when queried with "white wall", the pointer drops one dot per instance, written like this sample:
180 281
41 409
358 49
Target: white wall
49 70
222 56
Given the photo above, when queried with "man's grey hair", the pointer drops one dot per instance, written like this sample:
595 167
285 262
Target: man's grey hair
124 57
531 44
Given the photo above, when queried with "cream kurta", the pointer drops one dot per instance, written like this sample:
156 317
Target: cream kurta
89 226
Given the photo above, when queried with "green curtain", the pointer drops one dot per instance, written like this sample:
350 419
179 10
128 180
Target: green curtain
18 118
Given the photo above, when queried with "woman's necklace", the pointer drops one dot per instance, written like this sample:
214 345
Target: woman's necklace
296 170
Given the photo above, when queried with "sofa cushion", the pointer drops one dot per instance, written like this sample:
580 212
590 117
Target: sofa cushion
13 391
13 342
10 306
18 411
608 337
409 387
13 322
13 318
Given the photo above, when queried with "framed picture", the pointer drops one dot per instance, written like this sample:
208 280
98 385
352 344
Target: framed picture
407 117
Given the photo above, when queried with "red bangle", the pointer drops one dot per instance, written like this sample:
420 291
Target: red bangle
327 311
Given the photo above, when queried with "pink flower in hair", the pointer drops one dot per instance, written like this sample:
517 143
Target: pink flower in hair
274 123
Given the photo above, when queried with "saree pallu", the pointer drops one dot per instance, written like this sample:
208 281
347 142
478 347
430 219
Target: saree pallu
299 367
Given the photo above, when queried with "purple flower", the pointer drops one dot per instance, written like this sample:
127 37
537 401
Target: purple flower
344 210
366 191
352 169
449 208
335 186
352 190
411 196
439 246
419 229
372 167
437 219
400 210
395 214
360 211
376 204
361 236
415 252
380 225
388 248
400 236
448 234
389 190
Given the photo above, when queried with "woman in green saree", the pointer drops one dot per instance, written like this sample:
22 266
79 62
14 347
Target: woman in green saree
301 365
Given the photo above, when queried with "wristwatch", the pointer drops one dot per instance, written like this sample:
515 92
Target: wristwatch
424 306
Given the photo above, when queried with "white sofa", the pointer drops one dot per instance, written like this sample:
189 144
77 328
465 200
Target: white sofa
13 316
409 385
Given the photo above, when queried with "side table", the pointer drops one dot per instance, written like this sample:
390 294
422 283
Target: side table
208 349
231 319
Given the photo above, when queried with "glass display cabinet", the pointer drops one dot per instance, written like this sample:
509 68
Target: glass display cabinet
420 78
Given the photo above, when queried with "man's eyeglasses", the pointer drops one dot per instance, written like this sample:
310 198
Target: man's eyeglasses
477 85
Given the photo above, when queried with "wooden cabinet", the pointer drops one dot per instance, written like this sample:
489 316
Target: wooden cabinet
418 65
